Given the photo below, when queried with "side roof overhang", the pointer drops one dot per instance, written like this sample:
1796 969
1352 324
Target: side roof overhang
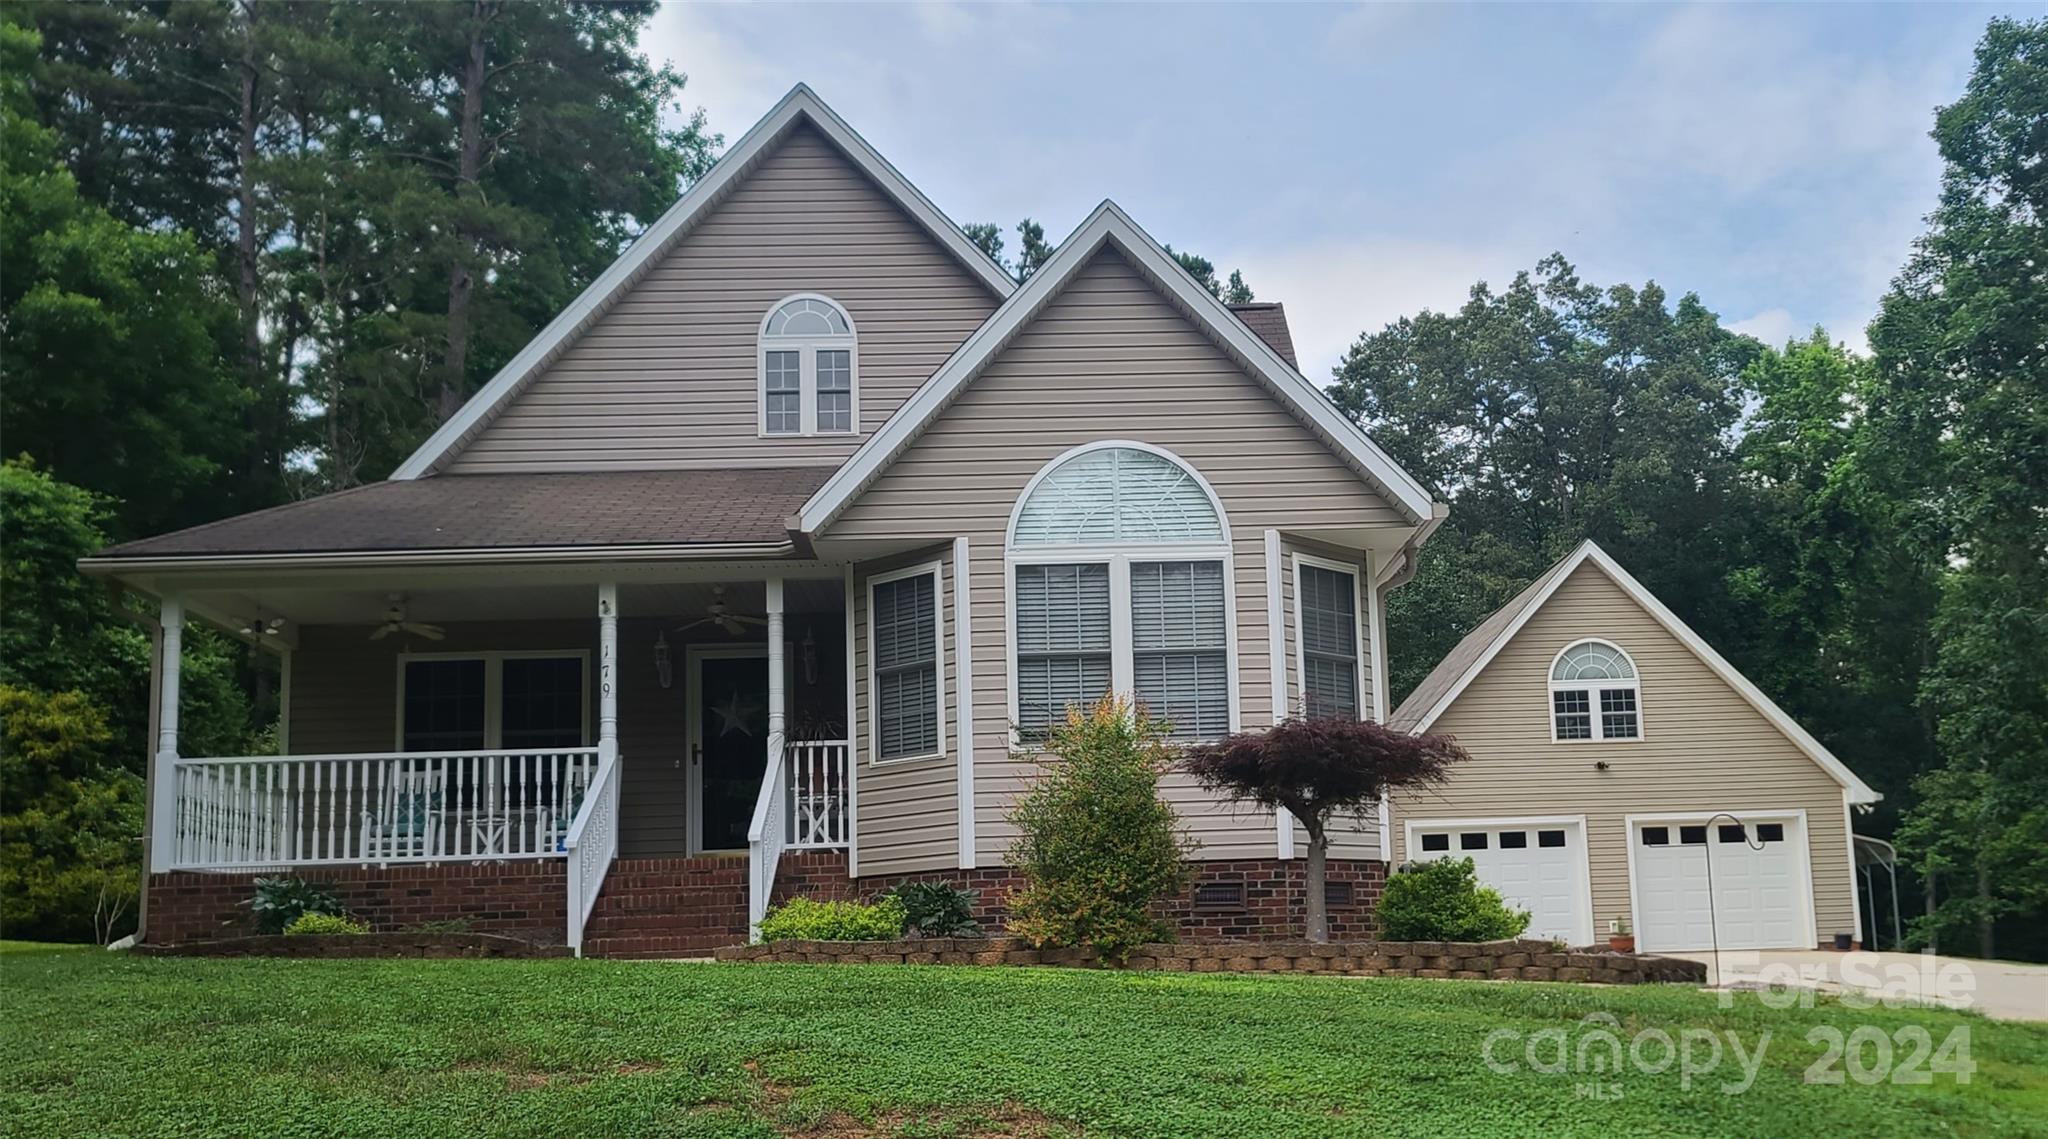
1434 696
1109 227
800 106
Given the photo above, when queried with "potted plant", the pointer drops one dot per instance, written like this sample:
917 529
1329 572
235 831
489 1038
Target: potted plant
1621 937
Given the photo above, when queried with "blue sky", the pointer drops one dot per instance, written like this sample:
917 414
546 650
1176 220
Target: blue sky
1363 163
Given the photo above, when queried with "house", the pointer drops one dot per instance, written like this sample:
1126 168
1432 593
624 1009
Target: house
1621 769
752 570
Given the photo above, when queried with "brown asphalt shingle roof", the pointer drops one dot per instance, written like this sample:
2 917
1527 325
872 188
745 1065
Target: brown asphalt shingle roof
1269 320
481 512
1471 648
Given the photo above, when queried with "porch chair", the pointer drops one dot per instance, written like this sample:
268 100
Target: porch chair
408 822
554 827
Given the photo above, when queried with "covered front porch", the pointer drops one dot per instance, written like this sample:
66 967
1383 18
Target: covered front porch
433 716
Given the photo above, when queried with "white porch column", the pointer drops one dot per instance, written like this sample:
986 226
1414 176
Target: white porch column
163 776
776 695
607 672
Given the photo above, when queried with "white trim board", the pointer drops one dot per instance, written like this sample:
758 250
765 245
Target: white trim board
1589 551
1110 226
801 104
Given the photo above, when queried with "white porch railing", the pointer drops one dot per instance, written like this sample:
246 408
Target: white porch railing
593 845
803 805
817 793
381 808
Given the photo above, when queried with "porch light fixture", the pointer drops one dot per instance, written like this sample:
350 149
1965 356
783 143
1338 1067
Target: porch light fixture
260 625
662 668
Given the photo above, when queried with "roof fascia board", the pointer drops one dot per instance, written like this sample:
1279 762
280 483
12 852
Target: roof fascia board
508 555
1108 224
1859 791
731 168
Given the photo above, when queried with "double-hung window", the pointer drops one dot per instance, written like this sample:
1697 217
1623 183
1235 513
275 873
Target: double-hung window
1119 582
510 700
1327 638
808 366
1594 694
906 638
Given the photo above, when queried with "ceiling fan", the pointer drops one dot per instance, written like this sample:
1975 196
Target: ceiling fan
396 621
716 614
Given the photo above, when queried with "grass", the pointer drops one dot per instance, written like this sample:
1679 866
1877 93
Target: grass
93 1043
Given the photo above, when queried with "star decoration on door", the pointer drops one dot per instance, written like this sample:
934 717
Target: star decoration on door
734 715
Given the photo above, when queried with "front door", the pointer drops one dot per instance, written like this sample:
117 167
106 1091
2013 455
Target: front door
728 743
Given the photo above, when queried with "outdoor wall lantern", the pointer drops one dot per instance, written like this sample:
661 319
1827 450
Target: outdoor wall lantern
662 668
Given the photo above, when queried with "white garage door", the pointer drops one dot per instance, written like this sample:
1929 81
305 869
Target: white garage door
1759 895
1539 866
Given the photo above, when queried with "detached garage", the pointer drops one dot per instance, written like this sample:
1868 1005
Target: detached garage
1622 771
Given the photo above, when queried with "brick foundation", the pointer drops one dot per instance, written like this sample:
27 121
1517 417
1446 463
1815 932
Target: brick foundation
1272 906
526 899
1519 960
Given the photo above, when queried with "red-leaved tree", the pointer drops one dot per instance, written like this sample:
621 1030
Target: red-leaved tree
1319 769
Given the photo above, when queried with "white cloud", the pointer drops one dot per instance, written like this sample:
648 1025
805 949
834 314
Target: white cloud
1772 326
1335 292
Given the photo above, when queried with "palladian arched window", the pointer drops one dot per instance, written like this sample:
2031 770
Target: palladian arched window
809 382
1119 557
1592 676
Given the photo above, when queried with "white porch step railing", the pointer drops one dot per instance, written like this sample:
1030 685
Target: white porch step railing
593 846
803 804
378 807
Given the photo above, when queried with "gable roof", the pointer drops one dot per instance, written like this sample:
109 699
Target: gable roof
1269 320
1110 227
1471 655
800 106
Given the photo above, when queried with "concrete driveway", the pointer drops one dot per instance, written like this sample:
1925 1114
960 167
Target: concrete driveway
2004 989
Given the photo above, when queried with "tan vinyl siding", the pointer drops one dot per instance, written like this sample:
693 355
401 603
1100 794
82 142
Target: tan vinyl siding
668 376
1109 358
1704 749
909 811
1349 837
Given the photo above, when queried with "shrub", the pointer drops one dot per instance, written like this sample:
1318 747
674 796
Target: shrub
280 901
806 920
311 922
936 909
1442 900
1096 847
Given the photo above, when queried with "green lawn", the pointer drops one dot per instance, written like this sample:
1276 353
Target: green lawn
111 1044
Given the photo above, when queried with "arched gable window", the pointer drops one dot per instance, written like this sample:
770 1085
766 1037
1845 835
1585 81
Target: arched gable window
1119 556
1594 676
809 369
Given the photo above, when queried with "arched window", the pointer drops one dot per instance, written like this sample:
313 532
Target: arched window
1592 675
1119 557
809 370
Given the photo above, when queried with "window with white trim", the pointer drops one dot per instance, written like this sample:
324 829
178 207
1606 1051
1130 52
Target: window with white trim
1120 582
511 700
908 663
1594 694
809 381
1326 623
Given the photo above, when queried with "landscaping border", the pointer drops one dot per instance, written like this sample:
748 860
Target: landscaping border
1516 960
360 945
